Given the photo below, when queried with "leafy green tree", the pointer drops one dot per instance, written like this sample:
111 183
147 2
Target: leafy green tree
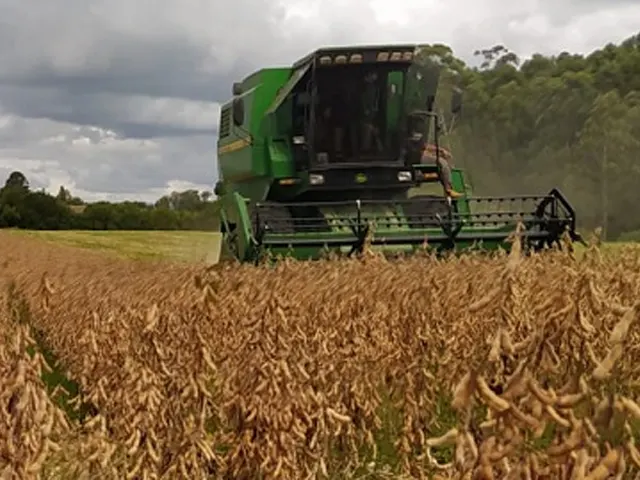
17 180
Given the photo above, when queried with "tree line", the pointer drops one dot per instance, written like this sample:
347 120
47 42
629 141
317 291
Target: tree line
569 121
22 207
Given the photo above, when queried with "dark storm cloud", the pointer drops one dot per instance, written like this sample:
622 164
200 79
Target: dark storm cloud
139 117
190 50
162 48
171 70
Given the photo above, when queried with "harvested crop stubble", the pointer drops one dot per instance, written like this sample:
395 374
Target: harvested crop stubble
470 367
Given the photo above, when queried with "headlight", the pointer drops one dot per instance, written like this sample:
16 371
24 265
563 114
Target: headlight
315 179
299 140
404 176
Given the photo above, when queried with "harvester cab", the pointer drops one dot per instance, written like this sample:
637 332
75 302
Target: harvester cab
327 155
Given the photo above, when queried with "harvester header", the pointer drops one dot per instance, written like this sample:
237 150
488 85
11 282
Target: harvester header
344 145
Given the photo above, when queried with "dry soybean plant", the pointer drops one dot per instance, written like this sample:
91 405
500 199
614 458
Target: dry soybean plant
471 367
31 425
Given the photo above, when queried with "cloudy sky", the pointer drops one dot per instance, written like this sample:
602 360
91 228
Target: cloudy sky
119 99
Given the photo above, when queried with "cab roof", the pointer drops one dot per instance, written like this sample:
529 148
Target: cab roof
369 52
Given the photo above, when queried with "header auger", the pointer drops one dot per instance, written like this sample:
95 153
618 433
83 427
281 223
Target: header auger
326 155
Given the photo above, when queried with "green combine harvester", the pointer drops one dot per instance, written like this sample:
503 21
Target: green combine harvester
327 156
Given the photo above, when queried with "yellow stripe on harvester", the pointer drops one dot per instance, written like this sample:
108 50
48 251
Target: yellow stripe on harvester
234 146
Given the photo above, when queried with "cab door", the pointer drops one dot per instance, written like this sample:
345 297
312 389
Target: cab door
395 96
422 82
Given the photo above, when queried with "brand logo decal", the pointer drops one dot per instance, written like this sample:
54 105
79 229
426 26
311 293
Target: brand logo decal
361 178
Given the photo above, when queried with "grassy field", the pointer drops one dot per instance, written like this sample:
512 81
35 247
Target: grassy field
181 246
171 245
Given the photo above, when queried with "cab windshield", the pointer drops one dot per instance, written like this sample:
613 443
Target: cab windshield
358 112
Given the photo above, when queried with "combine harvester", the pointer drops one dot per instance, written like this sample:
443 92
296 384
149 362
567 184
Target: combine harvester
326 155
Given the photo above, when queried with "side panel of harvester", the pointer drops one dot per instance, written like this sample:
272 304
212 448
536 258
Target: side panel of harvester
244 153
243 149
